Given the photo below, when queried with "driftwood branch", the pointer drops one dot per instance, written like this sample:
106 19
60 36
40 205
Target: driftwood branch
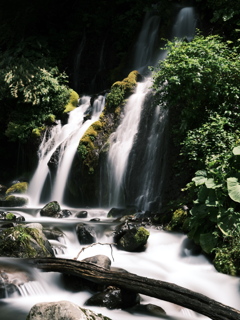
154 288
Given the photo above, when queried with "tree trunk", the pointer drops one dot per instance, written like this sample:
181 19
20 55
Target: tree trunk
150 287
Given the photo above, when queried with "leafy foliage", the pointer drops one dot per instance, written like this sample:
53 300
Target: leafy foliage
200 82
30 93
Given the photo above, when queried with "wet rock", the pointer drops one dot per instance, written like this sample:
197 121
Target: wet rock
121 212
85 233
114 298
25 241
66 213
81 214
62 310
131 239
51 209
14 201
9 216
11 276
100 260
148 309
53 233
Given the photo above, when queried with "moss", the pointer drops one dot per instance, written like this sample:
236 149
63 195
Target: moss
178 220
18 242
37 132
13 201
20 187
50 119
141 235
120 90
10 216
73 101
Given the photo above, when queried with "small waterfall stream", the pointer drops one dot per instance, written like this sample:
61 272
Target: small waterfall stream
168 256
63 140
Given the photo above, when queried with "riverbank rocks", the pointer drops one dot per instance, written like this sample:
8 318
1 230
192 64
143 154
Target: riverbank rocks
63 310
85 233
131 238
24 241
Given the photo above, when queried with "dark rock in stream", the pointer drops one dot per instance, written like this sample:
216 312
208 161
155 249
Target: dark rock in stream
85 233
81 214
9 216
62 310
53 233
130 237
114 298
51 209
121 212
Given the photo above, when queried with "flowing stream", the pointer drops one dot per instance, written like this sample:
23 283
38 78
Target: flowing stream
168 256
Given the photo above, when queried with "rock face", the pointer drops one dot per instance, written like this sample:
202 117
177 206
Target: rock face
25 241
62 310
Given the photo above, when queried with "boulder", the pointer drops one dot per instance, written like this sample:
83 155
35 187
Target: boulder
81 214
114 298
85 233
133 239
51 209
62 310
100 260
25 241
121 212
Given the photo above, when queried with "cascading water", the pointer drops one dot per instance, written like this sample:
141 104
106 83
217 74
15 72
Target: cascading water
137 157
168 256
185 25
63 140
122 141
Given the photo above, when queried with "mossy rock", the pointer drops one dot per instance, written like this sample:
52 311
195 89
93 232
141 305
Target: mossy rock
178 221
24 241
15 201
134 239
73 101
20 187
37 132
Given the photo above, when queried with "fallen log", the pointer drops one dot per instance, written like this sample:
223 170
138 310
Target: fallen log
154 288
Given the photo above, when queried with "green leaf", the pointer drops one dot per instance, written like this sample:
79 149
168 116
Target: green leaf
236 151
233 187
208 242
199 180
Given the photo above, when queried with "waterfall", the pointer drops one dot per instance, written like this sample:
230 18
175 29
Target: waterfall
145 48
185 25
122 141
138 148
61 142
69 147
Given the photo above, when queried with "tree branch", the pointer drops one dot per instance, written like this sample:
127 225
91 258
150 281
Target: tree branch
154 288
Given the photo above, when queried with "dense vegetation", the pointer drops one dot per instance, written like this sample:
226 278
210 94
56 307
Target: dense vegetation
199 83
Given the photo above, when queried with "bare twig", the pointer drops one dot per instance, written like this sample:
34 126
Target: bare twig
93 244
